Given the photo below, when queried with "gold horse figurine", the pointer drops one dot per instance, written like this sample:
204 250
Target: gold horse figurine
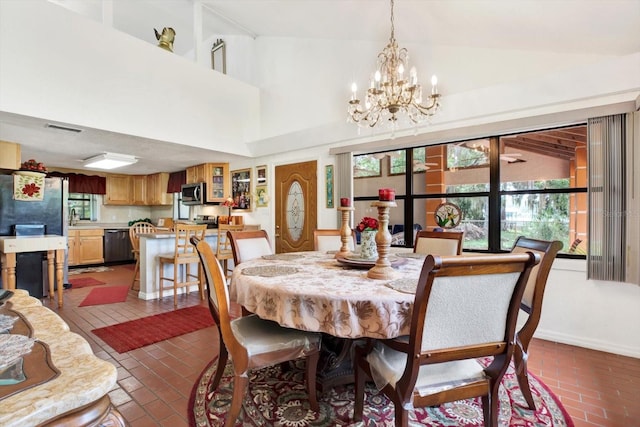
166 38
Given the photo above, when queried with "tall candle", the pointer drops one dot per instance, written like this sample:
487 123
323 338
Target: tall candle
386 194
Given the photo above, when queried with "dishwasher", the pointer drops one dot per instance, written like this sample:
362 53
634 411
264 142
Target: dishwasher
117 246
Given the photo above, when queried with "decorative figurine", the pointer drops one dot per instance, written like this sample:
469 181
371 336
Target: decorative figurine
166 38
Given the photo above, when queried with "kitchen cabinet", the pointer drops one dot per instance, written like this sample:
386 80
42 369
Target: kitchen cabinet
138 189
118 190
9 155
157 189
217 178
85 246
198 173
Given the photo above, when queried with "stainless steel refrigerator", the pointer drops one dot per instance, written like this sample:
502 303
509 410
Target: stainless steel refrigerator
51 212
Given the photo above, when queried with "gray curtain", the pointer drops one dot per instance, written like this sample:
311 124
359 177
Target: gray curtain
607 190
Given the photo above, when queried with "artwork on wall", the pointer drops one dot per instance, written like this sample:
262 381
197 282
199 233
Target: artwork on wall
261 175
262 198
219 56
241 189
329 185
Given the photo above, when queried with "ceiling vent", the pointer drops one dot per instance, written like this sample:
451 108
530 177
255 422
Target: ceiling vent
68 129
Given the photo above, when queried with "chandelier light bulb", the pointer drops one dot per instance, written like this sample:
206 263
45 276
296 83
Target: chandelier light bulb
377 76
400 71
413 73
434 85
354 89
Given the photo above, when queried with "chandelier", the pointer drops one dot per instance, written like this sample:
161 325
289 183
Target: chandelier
391 91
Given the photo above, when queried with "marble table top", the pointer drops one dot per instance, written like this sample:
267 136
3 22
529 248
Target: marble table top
84 378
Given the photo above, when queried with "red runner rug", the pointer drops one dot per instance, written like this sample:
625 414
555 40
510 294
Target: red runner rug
83 282
106 295
279 398
138 333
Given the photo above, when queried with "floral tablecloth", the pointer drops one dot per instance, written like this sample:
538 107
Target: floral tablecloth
314 292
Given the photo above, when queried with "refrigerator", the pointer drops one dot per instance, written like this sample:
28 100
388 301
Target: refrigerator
51 212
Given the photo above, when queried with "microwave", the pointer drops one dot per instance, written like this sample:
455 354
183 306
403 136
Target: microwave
194 194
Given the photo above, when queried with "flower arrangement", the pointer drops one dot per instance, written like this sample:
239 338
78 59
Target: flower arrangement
367 224
32 165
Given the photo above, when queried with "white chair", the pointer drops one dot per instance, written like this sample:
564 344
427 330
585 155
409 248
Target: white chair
248 245
465 308
252 342
325 240
438 242
531 305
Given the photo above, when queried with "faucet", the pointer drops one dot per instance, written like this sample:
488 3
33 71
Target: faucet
72 216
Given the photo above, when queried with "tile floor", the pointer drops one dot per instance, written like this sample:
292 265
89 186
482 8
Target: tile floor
154 382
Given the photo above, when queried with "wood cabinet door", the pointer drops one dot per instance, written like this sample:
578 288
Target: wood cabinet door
90 248
157 189
218 182
118 190
139 189
72 245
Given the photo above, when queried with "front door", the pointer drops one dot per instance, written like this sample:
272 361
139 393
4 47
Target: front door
296 206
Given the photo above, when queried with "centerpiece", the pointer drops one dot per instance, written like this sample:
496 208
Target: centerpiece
368 227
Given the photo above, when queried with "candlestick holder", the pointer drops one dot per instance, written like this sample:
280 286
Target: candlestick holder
382 269
345 231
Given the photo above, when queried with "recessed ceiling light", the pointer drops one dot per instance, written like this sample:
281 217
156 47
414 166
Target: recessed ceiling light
109 161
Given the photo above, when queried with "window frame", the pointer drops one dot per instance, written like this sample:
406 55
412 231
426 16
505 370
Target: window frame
494 195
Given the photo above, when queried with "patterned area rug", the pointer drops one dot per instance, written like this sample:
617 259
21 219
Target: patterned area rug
280 398
137 333
83 282
100 269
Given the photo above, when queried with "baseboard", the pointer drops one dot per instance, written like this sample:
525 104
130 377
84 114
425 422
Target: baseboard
599 345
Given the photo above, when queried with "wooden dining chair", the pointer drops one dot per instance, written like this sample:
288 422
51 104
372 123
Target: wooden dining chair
465 308
182 258
438 242
248 245
252 342
531 306
325 240
134 236
224 253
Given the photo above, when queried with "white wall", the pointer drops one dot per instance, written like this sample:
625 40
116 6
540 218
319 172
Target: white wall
72 70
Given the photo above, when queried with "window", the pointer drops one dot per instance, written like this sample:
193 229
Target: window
80 204
366 165
531 184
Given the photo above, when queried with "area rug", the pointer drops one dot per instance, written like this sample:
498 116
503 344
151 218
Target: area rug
280 398
138 333
106 295
83 282
99 269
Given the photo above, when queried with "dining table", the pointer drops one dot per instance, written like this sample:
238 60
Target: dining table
315 291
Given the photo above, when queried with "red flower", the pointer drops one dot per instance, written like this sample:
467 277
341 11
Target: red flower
367 224
30 189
